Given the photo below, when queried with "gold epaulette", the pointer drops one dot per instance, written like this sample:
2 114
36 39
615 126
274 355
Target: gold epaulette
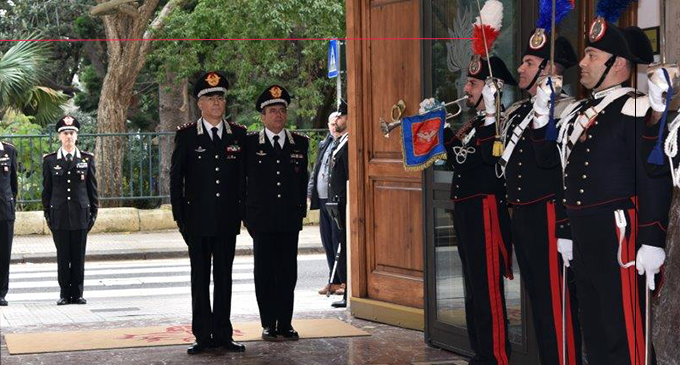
185 125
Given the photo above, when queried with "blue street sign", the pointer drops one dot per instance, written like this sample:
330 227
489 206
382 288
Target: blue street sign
333 61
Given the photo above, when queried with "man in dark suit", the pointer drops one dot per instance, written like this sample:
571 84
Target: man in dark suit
337 193
206 175
70 202
8 194
276 203
317 193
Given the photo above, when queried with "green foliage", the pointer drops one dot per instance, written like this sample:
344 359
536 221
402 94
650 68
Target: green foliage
252 65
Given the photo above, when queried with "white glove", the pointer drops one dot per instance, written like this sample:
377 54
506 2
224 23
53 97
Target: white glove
426 105
648 261
656 90
542 101
566 248
489 93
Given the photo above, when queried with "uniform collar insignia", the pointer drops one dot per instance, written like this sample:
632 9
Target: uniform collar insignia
261 153
604 93
57 167
200 149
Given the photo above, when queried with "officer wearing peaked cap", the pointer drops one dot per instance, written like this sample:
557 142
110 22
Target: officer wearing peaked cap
206 177
618 213
534 190
8 194
70 202
480 216
276 203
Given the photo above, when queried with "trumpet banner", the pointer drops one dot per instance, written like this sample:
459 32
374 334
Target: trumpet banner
422 140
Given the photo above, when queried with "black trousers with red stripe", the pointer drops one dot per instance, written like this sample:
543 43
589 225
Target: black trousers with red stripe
483 228
611 299
533 234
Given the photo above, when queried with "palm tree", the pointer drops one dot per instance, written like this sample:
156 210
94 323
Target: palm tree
21 73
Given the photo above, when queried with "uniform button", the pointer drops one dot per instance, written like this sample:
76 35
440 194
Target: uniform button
564 200
69 172
455 196
458 175
521 150
518 200
578 202
278 172
217 195
590 136
565 175
69 189
278 184
587 149
596 122
585 176
217 169
217 181
278 195
587 163
523 138
217 156
519 176
69 198
199 157
565 188
580 191
278 161
519 189
519 164
457 186
68 181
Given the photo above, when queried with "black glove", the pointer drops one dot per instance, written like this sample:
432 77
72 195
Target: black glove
93 218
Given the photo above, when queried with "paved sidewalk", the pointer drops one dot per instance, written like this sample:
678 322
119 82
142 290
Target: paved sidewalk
141 245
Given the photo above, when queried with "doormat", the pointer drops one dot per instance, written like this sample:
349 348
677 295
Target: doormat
115 338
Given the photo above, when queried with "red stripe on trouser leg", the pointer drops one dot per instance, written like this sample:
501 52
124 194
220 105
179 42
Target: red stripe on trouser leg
498 237
627 292
555 283
493 277
635 294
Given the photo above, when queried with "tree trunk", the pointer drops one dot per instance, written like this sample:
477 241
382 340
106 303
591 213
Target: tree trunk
174 110
125 61
666 309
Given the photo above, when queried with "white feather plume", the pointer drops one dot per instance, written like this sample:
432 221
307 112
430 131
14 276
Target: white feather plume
492 14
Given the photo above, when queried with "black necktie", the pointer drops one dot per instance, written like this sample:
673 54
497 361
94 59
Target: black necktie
277 146
68 157
215 137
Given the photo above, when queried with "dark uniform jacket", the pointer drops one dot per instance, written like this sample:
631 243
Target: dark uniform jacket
276 186
337 181
476 176
606 168
312 191
69 195
529 178
206 179
8 181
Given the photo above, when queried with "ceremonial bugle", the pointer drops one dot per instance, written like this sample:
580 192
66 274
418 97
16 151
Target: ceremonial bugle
386 128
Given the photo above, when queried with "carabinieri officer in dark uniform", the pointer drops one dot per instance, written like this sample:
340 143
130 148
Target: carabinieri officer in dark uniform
206 177
615 208
8 194
481 217
276 203
534 190
70 202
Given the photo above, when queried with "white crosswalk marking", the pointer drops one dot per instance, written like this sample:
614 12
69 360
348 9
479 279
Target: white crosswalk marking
118 280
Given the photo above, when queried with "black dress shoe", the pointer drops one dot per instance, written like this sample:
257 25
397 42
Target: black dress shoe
80 300
231 346
62 301
197 348
339 304
288 335
269 334
3 302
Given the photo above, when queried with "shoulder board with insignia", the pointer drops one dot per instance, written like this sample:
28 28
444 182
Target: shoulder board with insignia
516 105
7 143
185 125
49 154
637 105
238 125
253 133
87 153
299 134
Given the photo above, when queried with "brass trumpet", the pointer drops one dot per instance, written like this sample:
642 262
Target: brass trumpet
400 107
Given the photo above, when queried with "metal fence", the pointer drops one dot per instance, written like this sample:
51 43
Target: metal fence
145 156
